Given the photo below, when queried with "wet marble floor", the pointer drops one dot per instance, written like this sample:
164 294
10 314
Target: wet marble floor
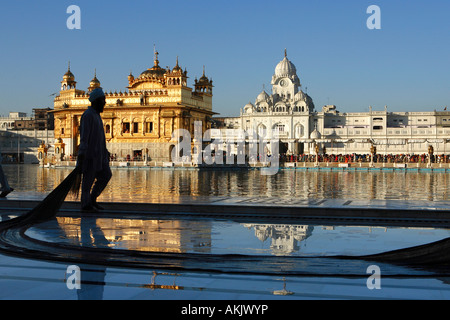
24 278
32 279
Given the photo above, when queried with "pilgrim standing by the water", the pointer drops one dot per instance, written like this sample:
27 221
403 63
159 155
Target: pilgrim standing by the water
93 157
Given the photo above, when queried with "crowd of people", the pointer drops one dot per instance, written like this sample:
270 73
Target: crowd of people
357 158
337 158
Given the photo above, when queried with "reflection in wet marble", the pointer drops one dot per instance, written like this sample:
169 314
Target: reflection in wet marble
228 237
34 279
285 239
135 234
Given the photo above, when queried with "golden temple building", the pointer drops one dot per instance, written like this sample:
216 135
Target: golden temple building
139 122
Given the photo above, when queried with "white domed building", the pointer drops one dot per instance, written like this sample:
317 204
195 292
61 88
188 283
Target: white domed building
289 111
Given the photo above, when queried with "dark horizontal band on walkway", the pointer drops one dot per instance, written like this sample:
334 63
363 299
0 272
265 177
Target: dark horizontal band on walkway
257 213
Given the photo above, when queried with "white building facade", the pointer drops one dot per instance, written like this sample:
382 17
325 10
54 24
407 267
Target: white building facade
21 145
291 113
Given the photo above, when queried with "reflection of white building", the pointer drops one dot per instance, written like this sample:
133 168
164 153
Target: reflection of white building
285 238
290 112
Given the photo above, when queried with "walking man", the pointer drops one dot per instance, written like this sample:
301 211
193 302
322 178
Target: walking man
93 157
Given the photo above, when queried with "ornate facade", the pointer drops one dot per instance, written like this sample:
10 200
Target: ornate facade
139 122
290 113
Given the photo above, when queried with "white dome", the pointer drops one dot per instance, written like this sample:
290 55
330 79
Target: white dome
248 108
315 135
263 96
285 68
300 96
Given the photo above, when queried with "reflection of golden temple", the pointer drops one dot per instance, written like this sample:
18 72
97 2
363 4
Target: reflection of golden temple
175 236
285 237
59 149
156 103
162 286
175 186
153 285
42 153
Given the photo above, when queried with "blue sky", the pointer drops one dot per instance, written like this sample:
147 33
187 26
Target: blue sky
405 65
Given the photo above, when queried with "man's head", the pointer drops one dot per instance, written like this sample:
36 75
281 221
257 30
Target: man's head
97 99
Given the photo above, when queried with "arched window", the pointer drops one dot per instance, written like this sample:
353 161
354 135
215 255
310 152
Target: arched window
280 128
298 131
262 130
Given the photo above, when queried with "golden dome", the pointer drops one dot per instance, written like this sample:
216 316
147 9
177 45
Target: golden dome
68 76
204 79
95 83
177 68
155 71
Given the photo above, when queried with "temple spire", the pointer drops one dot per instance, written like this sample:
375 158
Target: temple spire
156 62
285 52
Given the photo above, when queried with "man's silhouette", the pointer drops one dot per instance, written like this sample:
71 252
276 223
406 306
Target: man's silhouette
93 157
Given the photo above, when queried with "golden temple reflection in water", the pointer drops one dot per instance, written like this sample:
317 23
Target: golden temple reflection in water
218 237
175 186
154 286
172 185
174 236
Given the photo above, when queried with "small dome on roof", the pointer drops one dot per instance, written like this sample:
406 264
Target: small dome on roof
68 75
94 82
315 135
263 96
